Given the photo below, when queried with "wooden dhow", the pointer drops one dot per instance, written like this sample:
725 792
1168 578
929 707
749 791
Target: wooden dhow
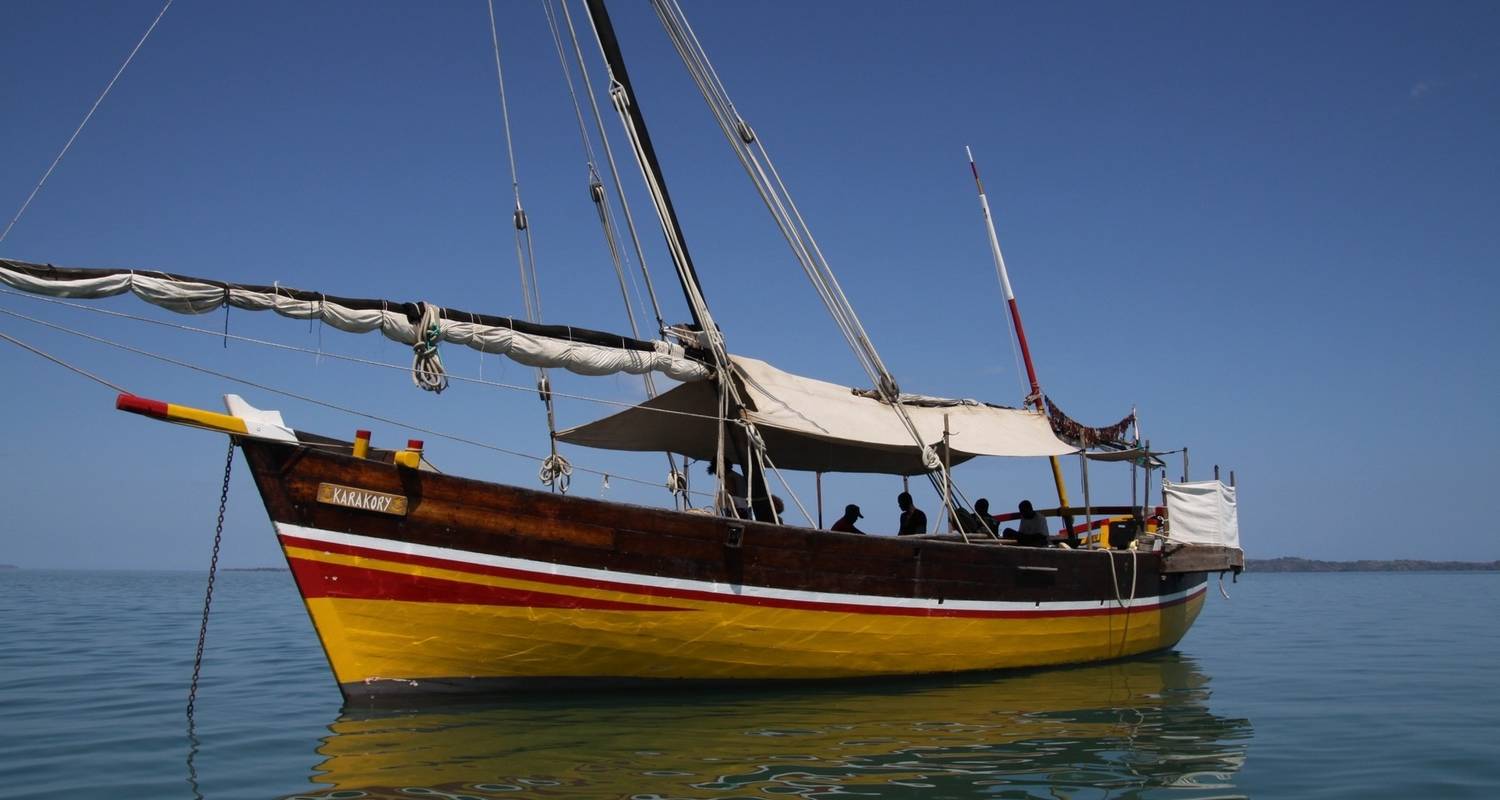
419 581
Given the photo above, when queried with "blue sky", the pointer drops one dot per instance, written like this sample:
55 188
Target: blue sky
1272 227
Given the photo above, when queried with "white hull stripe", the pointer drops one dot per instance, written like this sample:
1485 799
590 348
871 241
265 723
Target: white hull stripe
627 580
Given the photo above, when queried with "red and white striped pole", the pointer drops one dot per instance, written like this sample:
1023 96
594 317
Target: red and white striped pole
1035 398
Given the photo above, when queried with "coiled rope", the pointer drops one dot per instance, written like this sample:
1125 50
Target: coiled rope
677 483
426 365
556 472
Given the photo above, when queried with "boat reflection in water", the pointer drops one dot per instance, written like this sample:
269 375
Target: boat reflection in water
1140 728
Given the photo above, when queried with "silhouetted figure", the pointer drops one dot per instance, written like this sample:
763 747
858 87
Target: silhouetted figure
982 514
845 524
1031 530
913 521
734 486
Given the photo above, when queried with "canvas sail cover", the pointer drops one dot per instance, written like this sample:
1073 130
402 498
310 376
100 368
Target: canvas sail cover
1202 512
580 350
814 425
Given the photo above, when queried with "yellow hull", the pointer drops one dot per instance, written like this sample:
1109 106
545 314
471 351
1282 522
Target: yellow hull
393 616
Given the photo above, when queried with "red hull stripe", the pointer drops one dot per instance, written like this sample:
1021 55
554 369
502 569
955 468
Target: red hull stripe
693 594
322 579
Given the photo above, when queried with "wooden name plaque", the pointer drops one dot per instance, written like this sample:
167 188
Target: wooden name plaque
362 499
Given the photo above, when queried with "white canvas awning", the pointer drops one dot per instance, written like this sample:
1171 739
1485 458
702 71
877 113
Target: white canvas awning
1202 512
814 425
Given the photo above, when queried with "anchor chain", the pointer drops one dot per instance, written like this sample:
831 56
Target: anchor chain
208 595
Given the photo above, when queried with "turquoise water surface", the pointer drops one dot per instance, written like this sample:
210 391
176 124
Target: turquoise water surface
1302 685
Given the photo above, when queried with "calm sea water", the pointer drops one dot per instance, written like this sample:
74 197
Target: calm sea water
1339 685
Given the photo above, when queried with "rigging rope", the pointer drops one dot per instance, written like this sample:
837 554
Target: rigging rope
614 170
526 257
86 118
208 594
91 376
601 204
595 184
773 191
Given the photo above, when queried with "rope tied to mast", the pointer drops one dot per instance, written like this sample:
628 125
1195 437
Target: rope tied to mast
426 364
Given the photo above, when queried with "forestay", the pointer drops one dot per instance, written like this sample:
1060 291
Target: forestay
580 350
814 425
1202 512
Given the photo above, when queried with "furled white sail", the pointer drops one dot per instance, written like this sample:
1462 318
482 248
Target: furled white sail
810 424
579 350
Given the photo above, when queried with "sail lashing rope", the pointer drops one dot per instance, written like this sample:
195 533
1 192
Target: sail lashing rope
774 193
555 472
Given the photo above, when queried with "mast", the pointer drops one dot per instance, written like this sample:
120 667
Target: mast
622 95
609 44
1034 399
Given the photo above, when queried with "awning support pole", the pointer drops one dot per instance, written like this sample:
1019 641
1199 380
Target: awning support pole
819 478
1146 495
947 478
1088 509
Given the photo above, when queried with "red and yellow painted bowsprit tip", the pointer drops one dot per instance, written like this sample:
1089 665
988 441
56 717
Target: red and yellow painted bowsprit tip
183 415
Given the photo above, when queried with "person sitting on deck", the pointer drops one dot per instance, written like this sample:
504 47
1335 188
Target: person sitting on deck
982 514
1033 528
845 524
734 486
913 521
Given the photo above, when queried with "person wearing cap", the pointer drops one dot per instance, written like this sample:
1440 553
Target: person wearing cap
845 523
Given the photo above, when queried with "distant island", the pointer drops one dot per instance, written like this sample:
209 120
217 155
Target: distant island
9 566
1400 565
255 569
